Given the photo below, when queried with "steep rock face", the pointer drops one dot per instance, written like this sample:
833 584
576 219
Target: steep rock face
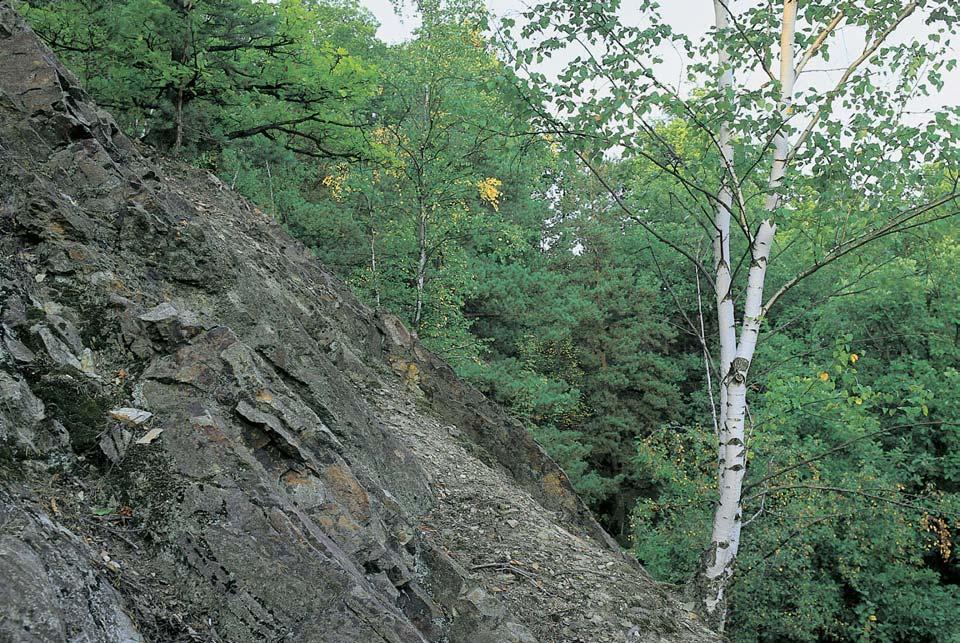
204 437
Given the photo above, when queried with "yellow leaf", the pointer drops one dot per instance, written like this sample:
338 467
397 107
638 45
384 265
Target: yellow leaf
824 376
489 190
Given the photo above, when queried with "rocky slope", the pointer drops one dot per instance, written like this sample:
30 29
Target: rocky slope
204 437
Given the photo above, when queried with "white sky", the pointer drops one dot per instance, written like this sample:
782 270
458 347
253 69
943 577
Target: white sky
694 18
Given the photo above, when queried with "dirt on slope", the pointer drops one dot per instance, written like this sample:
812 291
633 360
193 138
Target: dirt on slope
205 437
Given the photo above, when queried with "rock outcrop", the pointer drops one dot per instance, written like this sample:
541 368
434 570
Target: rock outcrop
204 437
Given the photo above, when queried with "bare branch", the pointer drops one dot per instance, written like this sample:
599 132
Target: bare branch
726 158
784 541
707 362
849 492
637 219
840 447
743 34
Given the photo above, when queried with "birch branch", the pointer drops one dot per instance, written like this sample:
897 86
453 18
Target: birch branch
847 247
818 43
787 79
845 491
851 69
631 215
718 143
743 34
707 362
838 448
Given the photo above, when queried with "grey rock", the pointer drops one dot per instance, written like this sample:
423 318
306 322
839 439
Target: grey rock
52 590
66 331
22 414
13 312
58 350
161 312
129 415
88 364
115 442
17 349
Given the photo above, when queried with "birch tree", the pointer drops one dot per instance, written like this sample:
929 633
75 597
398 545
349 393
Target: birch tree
791 129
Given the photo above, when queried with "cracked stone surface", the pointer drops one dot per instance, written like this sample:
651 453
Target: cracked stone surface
205 437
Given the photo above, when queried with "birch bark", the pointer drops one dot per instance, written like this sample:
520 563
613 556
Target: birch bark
721 235
421 265
736 354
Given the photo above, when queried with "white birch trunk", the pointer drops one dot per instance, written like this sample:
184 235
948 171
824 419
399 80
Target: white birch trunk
788 76
721 237
421 267
736 354
718 564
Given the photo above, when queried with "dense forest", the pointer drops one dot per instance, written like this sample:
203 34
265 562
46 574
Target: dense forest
553 238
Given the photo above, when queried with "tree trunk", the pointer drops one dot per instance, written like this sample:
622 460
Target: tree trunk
723 282
373 267
178 141
183 58
422 212
421 266
710 583
717 565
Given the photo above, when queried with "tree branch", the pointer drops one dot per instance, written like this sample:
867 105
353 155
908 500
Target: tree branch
633 217
851 69
844 491
847 247
836 449
818 43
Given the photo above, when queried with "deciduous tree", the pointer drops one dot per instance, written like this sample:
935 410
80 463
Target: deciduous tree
773 150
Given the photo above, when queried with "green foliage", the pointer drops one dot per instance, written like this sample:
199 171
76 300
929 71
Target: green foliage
852 473
860 207
204 73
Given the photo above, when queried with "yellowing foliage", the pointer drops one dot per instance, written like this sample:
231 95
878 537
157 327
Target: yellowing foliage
489 190
476 39
337 182
941 530
382 136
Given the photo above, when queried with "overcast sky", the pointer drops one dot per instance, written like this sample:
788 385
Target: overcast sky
694 18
